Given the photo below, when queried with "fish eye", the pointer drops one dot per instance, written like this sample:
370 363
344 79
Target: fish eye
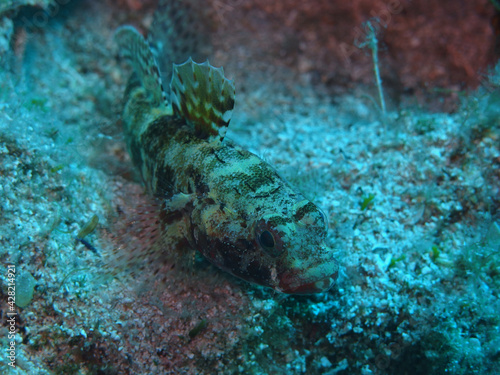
269 239
266 240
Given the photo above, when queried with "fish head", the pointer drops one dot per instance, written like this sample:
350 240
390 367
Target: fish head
281 249
295 248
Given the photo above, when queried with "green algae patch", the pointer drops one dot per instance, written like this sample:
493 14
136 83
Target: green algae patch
200 326
25 286
367 202
89 227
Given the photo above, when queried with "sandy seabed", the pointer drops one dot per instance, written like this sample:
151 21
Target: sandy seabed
412 199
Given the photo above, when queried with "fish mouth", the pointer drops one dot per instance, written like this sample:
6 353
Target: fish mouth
317 286
311 275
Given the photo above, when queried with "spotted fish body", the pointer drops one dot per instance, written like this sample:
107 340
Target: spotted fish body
216 197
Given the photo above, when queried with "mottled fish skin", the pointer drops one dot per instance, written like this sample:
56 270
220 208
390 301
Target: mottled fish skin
228 204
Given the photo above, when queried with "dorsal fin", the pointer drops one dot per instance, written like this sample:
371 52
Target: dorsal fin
134 47
204 97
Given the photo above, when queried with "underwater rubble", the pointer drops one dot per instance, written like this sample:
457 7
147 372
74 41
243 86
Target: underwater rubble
411 194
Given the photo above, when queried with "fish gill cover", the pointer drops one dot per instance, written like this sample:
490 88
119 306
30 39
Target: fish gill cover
410 194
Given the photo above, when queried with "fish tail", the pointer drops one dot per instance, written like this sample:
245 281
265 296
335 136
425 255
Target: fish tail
136 49
144 96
